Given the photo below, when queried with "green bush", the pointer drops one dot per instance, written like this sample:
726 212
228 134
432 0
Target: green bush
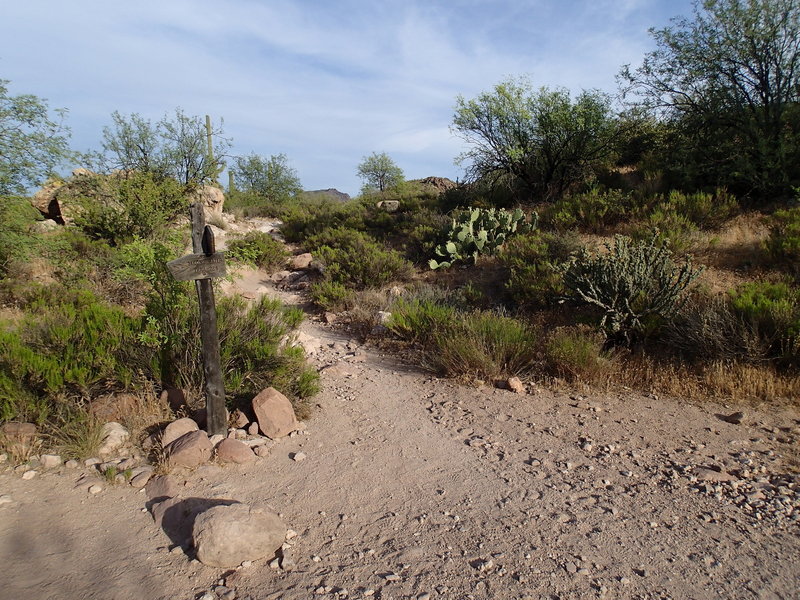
784 240
671 227
72 347
121 207
304 219
330 295
707 211
17 243
576 354
595 210
259 249
356 260
418 320
533 261
635 284
773 309
484 345
252 355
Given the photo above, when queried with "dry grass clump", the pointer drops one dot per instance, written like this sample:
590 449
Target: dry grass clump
721 381
575 354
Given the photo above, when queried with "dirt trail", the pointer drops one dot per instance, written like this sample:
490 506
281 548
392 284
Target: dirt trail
413 485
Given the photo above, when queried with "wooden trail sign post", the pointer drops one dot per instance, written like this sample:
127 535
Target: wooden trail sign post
201 266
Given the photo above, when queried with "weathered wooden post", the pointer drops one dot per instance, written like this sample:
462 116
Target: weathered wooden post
204 264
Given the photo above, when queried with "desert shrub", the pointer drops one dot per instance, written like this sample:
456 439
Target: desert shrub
773 309
712 329
479 231
784 240
71 348
17 244
576 354
419 320
119 208
484 345
356 260
307 218
259 249
595 210
705 210
533 261
635 284
330 295
670 226
252 353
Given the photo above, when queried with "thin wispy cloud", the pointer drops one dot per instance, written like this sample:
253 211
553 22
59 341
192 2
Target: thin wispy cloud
326 83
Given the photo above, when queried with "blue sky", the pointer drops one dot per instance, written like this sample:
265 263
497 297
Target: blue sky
326 82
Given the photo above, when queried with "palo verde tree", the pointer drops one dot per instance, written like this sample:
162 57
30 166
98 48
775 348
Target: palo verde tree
271 178
175 147
541 138
379 172
728 82
33 142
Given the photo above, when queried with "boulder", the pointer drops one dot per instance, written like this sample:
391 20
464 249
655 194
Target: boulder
190 450
274 413
301 261
176 516
239 419
112 407
174 398
114 437
50 461
163 486
230 450
177 429
226 536
18 437
389 205
212 199
515 385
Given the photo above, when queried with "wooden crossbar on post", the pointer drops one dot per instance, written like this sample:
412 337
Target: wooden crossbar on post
201 266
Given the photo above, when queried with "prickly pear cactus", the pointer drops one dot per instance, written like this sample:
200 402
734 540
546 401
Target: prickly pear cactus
478 231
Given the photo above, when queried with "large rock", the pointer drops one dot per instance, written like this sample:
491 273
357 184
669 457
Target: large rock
230 450
274 413
226 536
176 516
177 429
190 450
301 261
18 438
212 199
114 437
113 407
163 486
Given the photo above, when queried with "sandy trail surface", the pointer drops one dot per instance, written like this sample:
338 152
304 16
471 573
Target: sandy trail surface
415 487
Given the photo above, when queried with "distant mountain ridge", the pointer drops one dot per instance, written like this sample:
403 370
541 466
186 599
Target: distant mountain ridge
331 193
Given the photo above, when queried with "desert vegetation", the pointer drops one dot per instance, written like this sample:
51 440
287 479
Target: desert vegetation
594 242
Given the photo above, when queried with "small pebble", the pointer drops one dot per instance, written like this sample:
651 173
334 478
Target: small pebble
298 456
424 596
316 558
29 474
95 489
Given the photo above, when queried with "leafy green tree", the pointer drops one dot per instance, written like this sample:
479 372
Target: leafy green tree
32 141
271 178
729 82
379 172
542 138
174 147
